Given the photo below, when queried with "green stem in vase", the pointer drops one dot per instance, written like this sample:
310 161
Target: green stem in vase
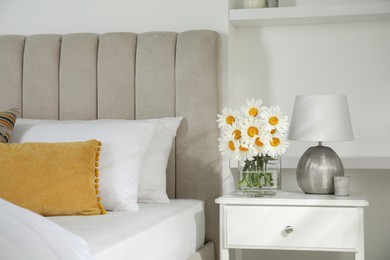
253 165
260 163
259 184
243 182
246 166
258 180
270 176
255 173
266 179
270 179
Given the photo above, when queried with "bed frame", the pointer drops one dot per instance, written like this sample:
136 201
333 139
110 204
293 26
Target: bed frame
128 76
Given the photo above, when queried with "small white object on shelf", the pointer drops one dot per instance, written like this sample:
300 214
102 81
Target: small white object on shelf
341 185
253 3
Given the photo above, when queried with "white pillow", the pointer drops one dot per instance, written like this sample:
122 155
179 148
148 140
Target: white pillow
27 235
124 145
152 182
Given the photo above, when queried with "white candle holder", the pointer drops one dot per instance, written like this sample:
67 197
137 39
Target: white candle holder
341 185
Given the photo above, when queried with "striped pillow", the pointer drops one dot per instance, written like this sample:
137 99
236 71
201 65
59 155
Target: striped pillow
7 123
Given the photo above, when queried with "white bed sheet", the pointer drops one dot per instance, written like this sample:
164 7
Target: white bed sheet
157 231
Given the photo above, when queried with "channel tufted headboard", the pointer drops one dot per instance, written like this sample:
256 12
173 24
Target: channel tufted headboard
126 76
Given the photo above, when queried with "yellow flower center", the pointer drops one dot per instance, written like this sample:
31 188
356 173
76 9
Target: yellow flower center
273 120
275 142
237 134
258 142
273 131
252 131
253 111
231 146
230 120
243 149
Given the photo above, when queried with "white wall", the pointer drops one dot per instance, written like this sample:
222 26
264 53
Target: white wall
278 63
59 16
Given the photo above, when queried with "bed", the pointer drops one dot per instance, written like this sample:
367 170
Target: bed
130 76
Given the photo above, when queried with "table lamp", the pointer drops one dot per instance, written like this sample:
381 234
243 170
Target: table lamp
320 118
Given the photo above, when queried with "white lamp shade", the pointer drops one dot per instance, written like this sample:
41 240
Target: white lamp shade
321 118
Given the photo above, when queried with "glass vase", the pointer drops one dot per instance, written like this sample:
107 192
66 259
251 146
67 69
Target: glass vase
260 176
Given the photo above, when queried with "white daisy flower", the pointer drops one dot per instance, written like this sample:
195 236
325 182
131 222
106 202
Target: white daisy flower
228 117
250 127
252 107
276 146
228 145
232 130
245 152
272 118
275 132
259 143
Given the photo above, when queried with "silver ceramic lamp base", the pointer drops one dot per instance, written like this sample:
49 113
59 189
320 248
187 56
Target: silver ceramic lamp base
316 169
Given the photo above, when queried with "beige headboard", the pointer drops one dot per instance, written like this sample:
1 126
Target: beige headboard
126 76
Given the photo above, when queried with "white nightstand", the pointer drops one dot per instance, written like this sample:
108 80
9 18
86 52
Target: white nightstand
292 221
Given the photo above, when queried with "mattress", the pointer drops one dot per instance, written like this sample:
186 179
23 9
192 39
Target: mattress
157 231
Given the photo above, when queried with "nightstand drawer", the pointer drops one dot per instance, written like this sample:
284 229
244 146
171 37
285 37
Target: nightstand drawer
311 228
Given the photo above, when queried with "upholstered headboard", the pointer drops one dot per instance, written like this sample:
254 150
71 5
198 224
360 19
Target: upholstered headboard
126 76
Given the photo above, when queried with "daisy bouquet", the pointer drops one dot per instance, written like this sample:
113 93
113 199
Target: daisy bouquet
256 136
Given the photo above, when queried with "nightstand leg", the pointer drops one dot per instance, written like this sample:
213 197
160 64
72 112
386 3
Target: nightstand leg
359 255
224 254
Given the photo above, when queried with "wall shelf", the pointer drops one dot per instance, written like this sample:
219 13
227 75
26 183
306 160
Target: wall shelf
309 14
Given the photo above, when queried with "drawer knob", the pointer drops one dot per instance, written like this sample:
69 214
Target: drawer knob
289 229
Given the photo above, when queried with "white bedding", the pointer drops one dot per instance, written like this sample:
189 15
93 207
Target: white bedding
26 235
157 231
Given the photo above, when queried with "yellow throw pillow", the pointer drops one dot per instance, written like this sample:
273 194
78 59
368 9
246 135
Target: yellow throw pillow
7 123
52 179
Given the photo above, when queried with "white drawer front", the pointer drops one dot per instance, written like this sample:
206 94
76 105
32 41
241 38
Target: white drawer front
314 228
